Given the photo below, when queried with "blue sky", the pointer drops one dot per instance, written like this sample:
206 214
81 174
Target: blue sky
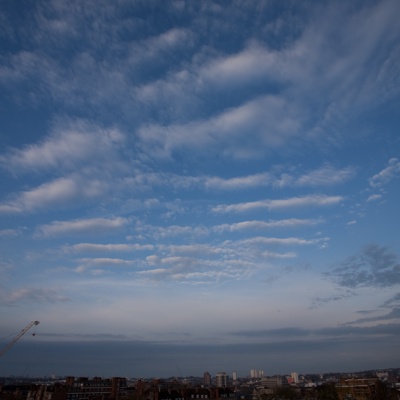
214 182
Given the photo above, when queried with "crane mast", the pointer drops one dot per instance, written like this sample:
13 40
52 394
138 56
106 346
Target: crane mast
17 337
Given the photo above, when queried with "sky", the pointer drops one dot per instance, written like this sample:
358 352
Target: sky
192 186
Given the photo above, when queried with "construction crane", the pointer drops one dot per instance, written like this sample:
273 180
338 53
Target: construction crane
20 334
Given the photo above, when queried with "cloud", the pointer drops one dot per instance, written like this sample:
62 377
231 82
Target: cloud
273 254
82 226
335 331
67 148
281 241
318 301
278 333
305 72
202 264
376 266
374 197
101 263
249 65
305 201
266 117
314 86
238 183
196 271
61 192
31 295
77 162
283 223
9 232
327 175
94 247
393 314
395 300
165 42
324 176
171 231
382 178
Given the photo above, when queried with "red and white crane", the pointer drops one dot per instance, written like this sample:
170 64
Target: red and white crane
20 334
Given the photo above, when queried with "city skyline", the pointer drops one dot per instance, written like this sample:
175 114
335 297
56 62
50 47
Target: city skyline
200 184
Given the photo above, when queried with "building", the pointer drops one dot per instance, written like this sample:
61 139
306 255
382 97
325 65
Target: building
207 379
95 389
272 381
360 389
234 376
295 377
221 379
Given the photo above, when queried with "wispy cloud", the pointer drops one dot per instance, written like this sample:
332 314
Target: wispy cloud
100 264
258 225
376 266
257 180
387 174
31 295
374 197
9 232
394 314
59 193
226 130
95 247
68 148
93 226
305 201
326 175
261 240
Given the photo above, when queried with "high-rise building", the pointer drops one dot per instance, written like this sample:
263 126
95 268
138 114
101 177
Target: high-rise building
234 376
221 379
295 377
207 379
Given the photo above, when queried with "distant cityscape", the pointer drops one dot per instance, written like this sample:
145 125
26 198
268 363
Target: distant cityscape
364 385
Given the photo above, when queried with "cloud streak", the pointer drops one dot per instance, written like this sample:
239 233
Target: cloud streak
93 226
276 205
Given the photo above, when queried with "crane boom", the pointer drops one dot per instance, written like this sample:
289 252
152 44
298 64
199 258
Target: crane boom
20 334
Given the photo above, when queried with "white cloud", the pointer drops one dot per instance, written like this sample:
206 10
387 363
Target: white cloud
325 176
171 231
305 201
60 192
105 261
195 249
281 241
93 226
272 254
266 117
238 183
93 247
284 223
374 197
166 41
9 232
69 147
387 174
251 64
